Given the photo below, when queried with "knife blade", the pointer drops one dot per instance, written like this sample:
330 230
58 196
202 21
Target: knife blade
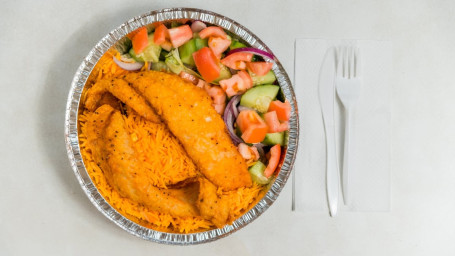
327 102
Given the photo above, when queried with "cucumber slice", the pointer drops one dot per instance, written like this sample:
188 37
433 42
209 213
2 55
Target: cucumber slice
201 43
274 139
259 97
186 52
225 73
286 138
257 173
236 44
268 78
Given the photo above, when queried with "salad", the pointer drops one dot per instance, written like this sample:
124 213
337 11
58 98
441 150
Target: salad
238 78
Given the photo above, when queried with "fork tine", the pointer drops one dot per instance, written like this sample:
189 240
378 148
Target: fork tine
358 62
347 55
346 62
338 58
351 62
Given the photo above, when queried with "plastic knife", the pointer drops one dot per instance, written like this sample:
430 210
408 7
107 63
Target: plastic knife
327 101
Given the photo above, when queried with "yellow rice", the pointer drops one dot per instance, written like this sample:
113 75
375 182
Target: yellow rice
162 158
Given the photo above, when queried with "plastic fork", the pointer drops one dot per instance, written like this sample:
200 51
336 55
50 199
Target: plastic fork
348 87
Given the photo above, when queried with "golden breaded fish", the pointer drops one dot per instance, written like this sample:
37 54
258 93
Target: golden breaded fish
211 206
109 99
113 152
125 93
188 112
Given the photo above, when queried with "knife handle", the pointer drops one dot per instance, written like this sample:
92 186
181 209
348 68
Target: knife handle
332 175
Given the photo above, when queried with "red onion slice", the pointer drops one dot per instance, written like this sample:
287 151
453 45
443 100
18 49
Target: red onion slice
233 71
128 66
254 51
197 26
260 144
260 148
229 119
235 110
233 104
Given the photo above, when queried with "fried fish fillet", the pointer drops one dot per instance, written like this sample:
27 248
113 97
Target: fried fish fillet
112 150
211 206
121 90
188 112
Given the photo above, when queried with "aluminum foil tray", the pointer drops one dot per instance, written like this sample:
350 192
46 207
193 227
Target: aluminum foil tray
72 141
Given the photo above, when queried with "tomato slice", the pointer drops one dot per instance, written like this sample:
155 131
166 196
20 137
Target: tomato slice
180 35
252 126
255 134
247 152
133 33
274 125
216 93
212 32
275 153
202 84
219 108
237 60
218 45
281 162
160 35
248 82
238 83
259 68
282 109
207 64
232 86
140 40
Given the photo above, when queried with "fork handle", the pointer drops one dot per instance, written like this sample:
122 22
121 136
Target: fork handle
347 157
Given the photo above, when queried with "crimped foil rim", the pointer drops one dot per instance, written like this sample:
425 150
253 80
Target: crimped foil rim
72 139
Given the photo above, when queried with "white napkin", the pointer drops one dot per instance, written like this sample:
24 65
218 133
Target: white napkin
370 143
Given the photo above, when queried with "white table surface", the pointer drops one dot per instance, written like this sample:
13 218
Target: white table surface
43 210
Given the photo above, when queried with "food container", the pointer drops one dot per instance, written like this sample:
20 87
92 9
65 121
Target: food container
72 141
